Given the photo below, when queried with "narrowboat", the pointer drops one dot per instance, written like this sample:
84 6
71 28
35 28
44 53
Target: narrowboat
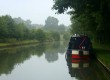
79 47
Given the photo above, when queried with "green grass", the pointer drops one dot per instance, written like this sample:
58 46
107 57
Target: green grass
103 53
101 46
18 43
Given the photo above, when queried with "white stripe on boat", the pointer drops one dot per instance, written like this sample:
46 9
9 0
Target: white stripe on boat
75 65
75 52
85 52
86 65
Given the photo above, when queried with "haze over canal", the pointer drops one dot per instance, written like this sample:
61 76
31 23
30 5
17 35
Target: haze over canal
45 62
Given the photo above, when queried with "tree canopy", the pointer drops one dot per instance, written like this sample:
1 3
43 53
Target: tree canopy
51 22
87 16
17 29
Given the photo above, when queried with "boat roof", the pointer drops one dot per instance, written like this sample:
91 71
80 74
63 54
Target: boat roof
77 35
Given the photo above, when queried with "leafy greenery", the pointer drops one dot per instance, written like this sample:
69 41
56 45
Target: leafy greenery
40 35
66 36
14 30
51 24
89 17
54 30
104 56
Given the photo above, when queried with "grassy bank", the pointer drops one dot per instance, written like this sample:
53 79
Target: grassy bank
103 53
18 43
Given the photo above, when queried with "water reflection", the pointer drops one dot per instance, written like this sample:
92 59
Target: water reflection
51 54
87 69
17 55
34 59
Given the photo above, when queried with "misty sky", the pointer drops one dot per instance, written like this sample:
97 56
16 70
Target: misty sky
35 10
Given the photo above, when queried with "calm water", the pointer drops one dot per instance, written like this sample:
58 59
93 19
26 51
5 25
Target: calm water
46 62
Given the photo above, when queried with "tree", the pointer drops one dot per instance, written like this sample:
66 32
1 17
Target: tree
66 36
40 35
51 22
18 20
91 16
20 31
61 28
3 28
56 36
27 23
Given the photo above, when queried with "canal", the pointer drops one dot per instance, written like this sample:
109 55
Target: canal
46 61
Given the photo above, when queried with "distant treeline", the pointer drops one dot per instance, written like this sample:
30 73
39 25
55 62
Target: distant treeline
91 17
16 29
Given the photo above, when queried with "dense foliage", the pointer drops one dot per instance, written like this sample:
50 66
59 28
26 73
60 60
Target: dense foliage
54 29
12 30
16 29
51 24
88 16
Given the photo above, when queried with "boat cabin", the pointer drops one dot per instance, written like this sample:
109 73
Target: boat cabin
80 42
